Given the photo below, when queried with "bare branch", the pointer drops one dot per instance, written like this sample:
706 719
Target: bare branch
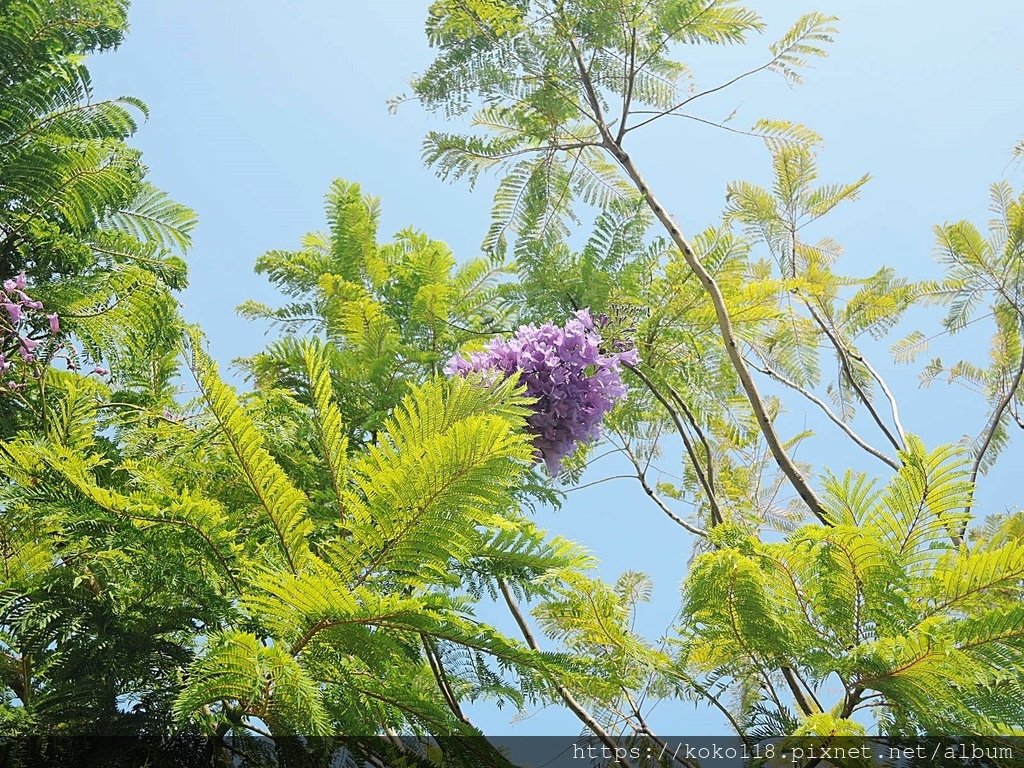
641 475
709 91
993 425
844 361
770 372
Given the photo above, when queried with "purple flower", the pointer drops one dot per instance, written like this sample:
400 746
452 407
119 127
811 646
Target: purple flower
13 311
54 323
573 384
16 284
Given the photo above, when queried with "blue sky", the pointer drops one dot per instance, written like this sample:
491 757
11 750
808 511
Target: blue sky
257 105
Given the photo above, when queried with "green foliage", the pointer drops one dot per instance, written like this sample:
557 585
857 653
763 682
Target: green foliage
312 625
309 558
101 247
550 110
556 91
389 314
924 630
985 271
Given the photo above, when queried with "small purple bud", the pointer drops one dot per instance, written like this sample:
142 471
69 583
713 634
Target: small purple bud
54 323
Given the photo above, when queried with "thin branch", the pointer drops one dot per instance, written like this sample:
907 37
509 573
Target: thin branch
770 372
627 98
577 709
712 123
599 482
993 426
893 406
700 434
442 680
844 361
645 729
708 92
716 510
813 701
641 475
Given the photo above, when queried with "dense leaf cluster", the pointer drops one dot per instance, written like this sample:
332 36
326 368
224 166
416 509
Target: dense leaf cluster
221 576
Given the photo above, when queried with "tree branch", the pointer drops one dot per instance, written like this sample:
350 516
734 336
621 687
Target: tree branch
729 338
570 701
442 680
770 372
641 475
627 98
716 510
844 361
993 426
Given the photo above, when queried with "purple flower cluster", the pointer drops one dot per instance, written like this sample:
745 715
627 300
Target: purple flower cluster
20 313
24 326
574 384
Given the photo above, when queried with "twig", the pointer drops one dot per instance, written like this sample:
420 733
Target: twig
993 427
570 701
844 361
442 680
770 372
716 510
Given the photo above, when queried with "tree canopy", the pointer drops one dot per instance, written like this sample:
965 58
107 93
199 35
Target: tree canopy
231 575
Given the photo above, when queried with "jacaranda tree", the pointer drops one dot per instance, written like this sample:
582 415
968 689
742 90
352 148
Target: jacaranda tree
878 584
100 246
194 574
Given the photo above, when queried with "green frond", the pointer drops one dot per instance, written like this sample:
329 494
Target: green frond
442 468
972 581
807 38
152 216
734 615
73 422
333 441
778 133
524 555
353 219
456 157
697 21
925 501
205 522
313 613
850 500
268 682
284 506
910 347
